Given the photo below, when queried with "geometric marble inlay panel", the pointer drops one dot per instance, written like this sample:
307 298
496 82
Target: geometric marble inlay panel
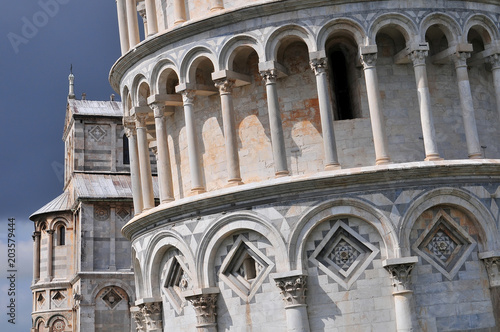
444 244
343 254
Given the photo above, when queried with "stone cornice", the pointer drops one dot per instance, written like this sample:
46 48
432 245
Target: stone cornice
319 184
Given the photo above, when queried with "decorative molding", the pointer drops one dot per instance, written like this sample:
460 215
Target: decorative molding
152 313
205 306
293 289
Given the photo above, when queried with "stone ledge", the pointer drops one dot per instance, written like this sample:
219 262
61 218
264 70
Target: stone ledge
322 183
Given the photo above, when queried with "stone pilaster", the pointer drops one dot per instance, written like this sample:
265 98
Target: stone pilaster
50 244
471 135
369 60
427 120
36 256
293 288
204 302
400 272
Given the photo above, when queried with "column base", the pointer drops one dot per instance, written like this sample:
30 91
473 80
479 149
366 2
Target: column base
233 183
167 200
197 191
476 156
383 161
433 157
281 174
215 9
179 22
332 167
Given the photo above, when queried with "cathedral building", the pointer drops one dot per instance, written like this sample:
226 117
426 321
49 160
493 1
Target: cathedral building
295 165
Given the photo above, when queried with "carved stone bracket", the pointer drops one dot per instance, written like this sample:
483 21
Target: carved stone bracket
319 66
293 289
205 305
492 262
152 315
400 271
418 57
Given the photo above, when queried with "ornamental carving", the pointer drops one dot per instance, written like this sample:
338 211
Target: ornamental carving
494 60
158 110
400 276
418 57
205 306
101 213
461 59
493 268
319 66
152 313
293 289
369 60
269 76
225 86
188 96
140 321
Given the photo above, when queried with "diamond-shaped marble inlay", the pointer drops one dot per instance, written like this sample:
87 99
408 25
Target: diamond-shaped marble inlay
245 268
176 281
58 298
40 299
97 133
343 254
444 244
112 298
122 213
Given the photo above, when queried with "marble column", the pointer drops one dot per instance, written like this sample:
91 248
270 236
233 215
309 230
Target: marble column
225 87
50 251
293 289
216 5
205 307
494 60
400 272
36 256
135 172
471 135
193 154
319 66
163 163
141 9
133 24
152 315
424 100
369 61
144 161
179 12
277 139
151 17
121 8
491 261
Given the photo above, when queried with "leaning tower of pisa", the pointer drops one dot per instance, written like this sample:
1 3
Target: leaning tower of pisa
321 165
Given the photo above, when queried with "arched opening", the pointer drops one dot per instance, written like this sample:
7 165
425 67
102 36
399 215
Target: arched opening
112 310
344 77
61 235
478 37
437 39
167 82
126 155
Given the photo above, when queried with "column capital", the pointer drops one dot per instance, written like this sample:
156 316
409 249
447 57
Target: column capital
460 59
418 57
152 313
49 231
141 9
368 60
319 65
269 75
140 321
140 120
36 235
491 261
293 289
400 270
158 109
225 85
188 96
205 306
494 60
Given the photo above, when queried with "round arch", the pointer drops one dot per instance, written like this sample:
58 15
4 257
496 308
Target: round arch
52 319
191 58
157 247
110 283
396 20
126 104
278 37
489 30
448 25
229 50
227 225
57 221
341 26
138 80
162 66
340 207
459 199
39 321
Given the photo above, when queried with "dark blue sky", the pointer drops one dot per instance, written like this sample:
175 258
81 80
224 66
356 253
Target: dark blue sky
38 43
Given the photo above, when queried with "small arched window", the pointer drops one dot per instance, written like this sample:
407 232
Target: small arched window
126 156
61 236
